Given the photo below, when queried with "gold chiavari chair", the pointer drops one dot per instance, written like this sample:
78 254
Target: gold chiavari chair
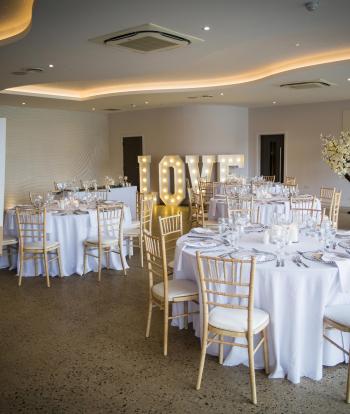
327 198
109 238
227 287
163 292
170 230
201 208
100 195
33 244
300 215
270 178
334 211
302 202
243 205
192 207
136 230
338 317
290 181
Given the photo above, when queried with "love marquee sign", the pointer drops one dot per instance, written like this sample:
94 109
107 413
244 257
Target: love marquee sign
174 166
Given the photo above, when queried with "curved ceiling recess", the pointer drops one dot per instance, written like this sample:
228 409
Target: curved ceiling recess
45 90
15 19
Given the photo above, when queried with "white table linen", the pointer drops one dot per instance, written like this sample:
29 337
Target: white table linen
70 231
295 298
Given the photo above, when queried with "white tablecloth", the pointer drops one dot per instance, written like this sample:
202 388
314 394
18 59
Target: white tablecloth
218 208
295 298
70 231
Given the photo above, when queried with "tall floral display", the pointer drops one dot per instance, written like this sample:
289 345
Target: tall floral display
336 153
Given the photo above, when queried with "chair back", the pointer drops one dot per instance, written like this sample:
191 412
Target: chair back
227 283
156 262
170 230
334 211
146 215
270 178
110 219
31 224
300 215
243 205
302 202
327 197
290 181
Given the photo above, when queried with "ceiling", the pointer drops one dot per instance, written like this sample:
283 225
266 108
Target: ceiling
253 46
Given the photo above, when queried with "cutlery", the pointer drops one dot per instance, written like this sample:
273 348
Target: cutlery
282 262
301 262
296 262
277 262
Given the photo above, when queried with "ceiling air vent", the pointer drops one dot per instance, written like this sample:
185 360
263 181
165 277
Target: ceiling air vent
307 84
146 38
111 109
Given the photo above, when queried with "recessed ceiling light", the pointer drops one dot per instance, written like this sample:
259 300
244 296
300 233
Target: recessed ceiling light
146 102
93 109
23 103
50 65
274 102
206 28
297 44
349 79
221 93
133 105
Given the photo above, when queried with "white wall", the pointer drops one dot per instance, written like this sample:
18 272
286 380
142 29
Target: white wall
190 129
45 145
302 126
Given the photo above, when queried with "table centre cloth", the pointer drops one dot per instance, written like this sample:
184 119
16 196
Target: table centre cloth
70 230
295 298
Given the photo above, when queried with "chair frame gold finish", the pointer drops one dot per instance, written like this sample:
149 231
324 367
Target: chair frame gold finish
110 218
243 205
171 230
327 198
290 181
330 324
334 210
158 268
146 215
232 277
270 178
31 224
192 207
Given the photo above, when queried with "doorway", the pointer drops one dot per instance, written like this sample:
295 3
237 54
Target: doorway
132 148
272 156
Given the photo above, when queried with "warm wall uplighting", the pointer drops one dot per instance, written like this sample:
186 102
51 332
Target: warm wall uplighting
15 18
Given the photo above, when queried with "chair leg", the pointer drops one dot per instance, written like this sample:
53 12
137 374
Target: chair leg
122 258
21 263
251 368
99 264
141 250
149 318
46 265
166 326
221 350
59 262
202 360
348 385
85 261
35 265
186 317
266 351
108 258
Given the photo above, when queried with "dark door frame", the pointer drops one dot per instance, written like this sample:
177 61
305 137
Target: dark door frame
142 149
258 150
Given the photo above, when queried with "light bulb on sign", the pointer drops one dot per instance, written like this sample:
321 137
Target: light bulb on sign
175 163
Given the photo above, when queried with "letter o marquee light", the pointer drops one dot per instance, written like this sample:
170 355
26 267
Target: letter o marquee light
175 162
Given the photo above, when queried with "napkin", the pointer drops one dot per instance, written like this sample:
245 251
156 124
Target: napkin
343 233
343 266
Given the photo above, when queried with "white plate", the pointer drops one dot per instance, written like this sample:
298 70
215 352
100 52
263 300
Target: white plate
345 244
204 244
261 257
202 230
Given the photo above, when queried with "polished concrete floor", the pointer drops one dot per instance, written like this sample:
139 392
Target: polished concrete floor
79 347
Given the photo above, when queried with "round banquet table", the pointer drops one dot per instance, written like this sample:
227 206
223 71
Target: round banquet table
70 230
218 208
295 298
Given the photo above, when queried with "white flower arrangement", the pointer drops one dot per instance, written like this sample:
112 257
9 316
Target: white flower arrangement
336 152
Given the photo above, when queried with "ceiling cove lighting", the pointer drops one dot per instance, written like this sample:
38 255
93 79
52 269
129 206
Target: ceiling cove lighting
16 18
46 90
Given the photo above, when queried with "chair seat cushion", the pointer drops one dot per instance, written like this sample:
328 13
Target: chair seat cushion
237 319
339 314
38 245
176 289
132 230
105 242
8 240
